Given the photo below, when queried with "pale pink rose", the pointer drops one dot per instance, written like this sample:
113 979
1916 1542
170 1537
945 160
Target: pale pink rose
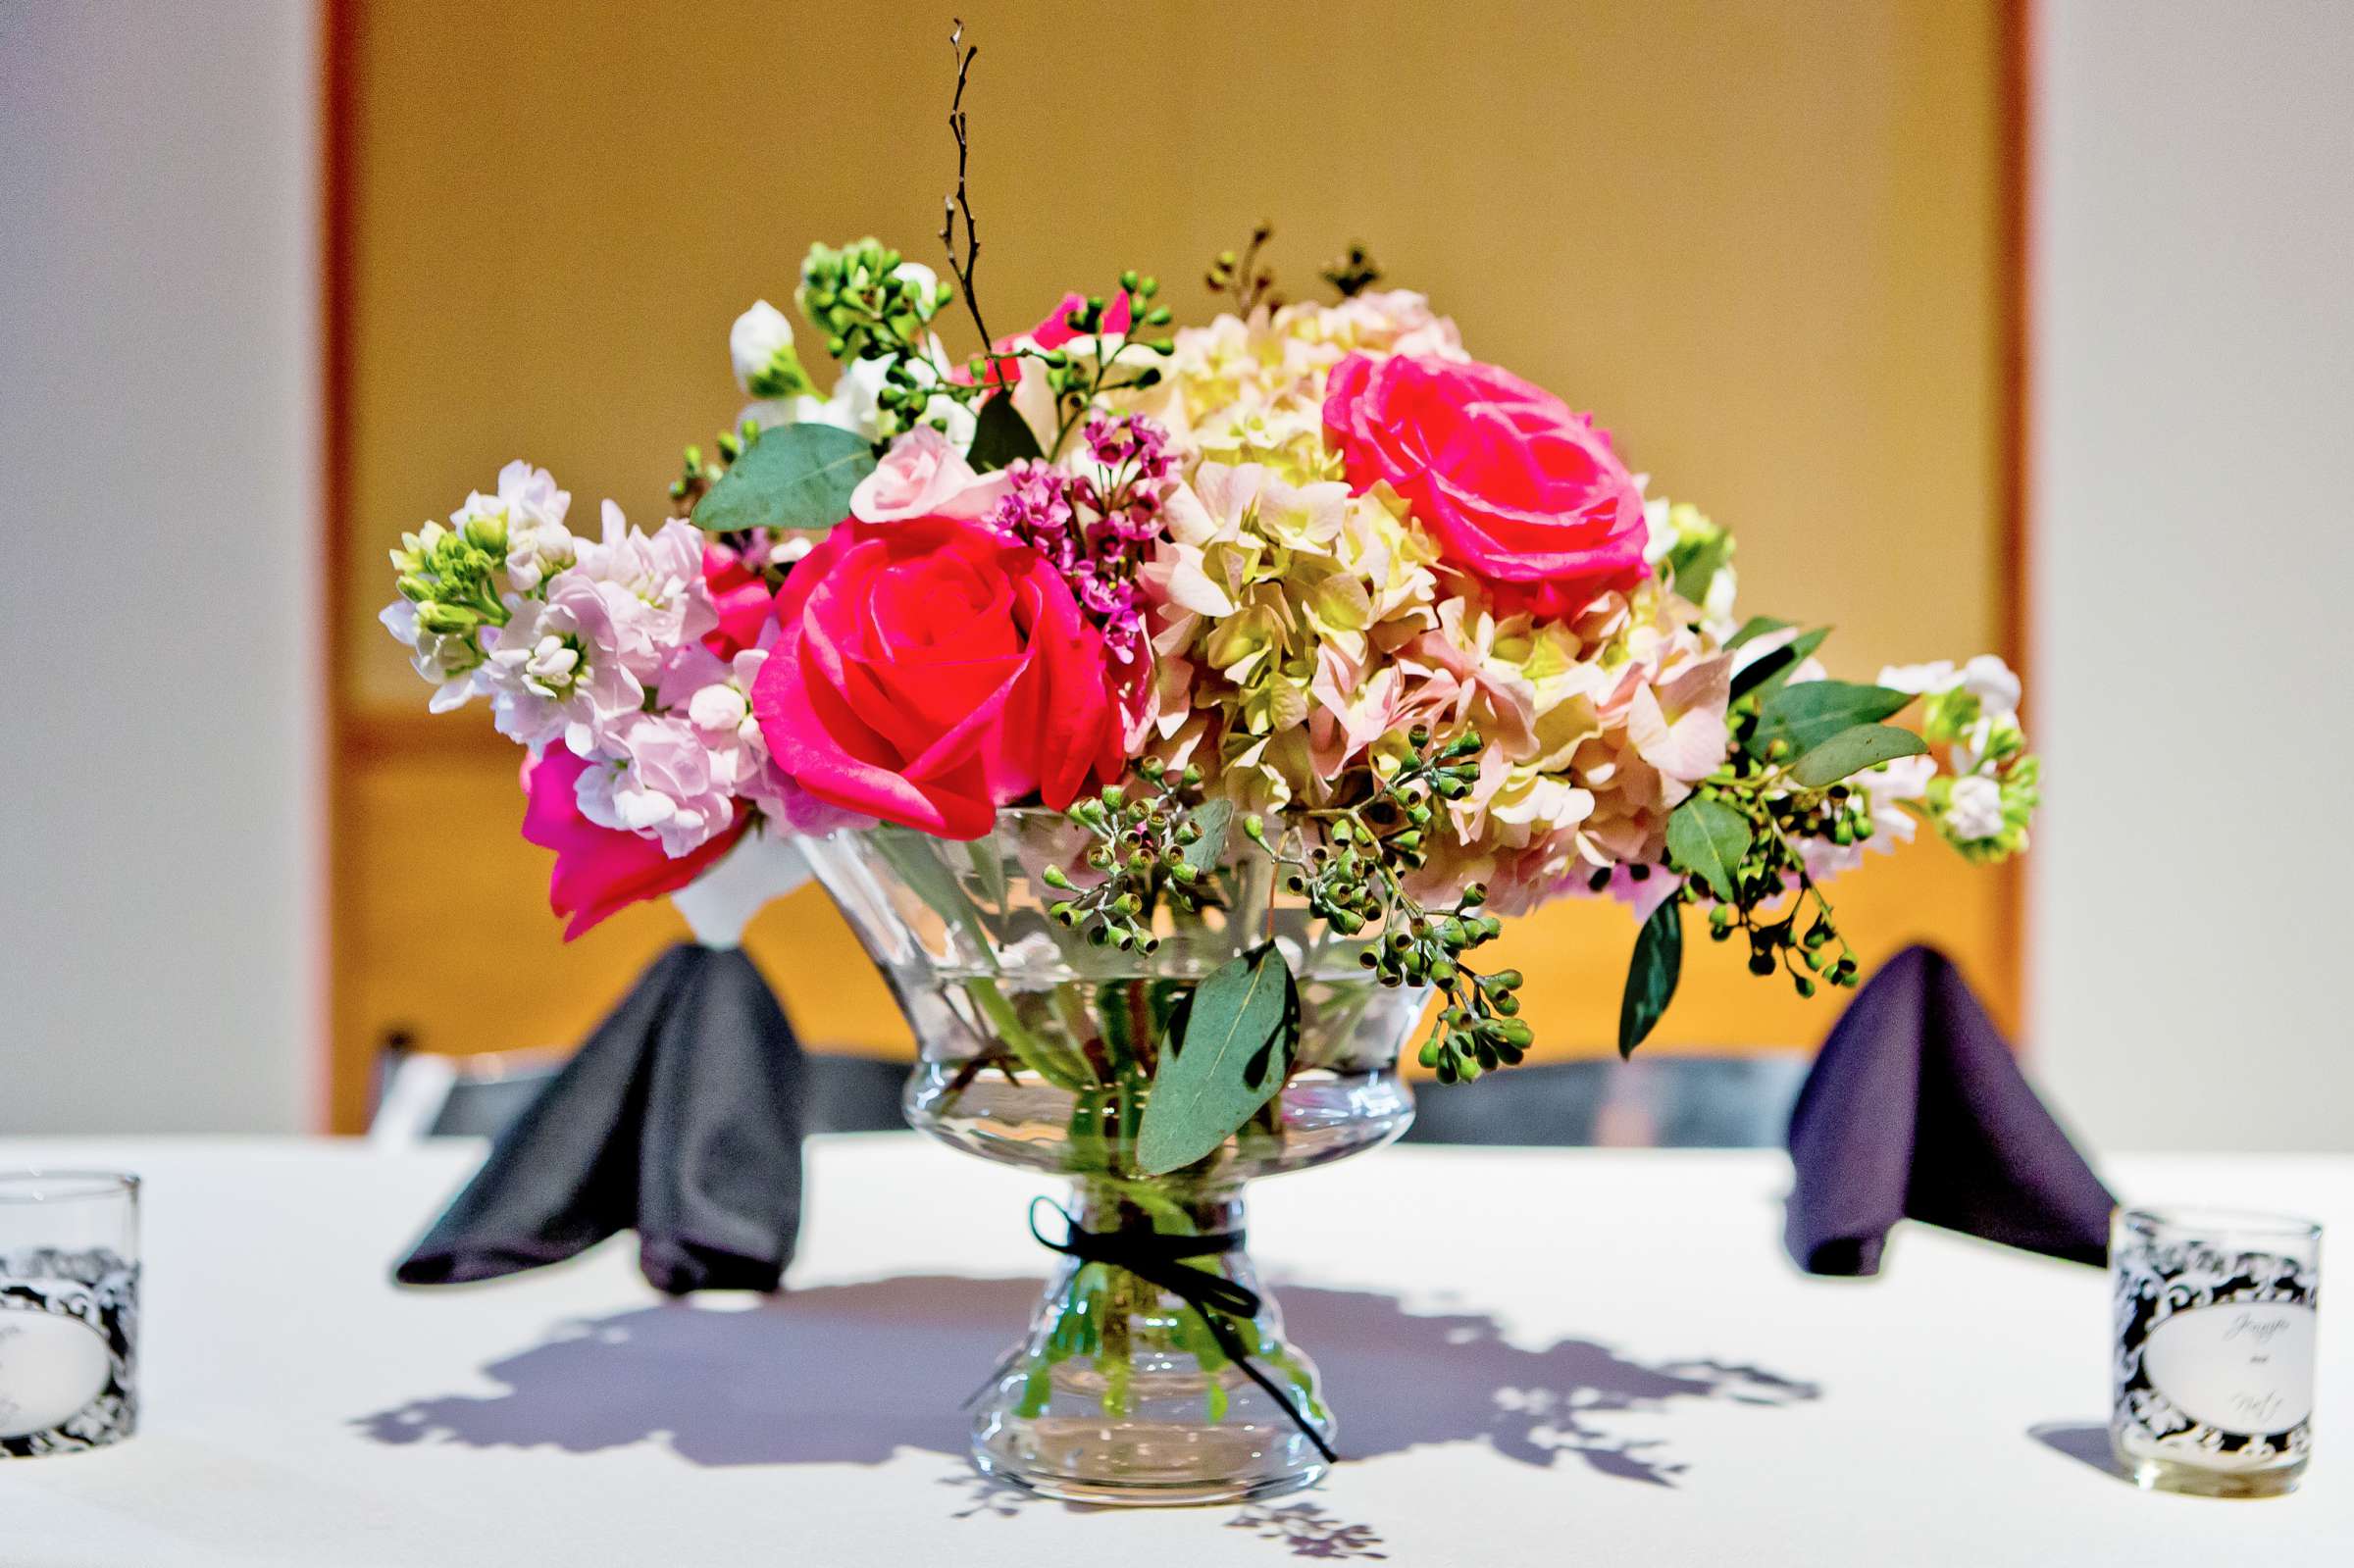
924 476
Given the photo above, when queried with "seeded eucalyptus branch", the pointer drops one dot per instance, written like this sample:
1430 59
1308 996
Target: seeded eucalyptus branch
1241 277
1357 882
696 474
1353 272
1162 842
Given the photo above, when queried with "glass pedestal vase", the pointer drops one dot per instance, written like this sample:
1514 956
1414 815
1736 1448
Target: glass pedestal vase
1155 1370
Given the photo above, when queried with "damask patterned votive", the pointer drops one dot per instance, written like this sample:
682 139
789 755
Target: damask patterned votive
69 1310
2213 1374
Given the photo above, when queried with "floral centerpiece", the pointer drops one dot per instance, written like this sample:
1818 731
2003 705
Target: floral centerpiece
1176 713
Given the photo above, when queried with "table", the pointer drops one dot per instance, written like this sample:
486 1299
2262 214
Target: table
1576 1356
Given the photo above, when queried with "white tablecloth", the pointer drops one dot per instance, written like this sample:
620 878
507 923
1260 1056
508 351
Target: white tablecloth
1536 1357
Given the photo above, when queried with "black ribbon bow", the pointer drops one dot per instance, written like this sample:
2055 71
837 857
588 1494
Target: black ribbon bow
1159 1259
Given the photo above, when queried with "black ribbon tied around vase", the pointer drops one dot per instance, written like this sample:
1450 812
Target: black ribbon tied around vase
1160 1259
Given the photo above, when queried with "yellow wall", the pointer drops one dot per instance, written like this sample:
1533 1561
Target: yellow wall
1762 238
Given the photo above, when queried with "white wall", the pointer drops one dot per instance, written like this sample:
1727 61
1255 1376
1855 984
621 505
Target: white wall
158 470
2193 343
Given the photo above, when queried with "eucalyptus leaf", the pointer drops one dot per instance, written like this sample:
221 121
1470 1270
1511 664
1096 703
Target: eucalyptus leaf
1769 671
794 477
1228 1062
1001 438
1867 746
1808 714
1709 838
1213 818
1651 975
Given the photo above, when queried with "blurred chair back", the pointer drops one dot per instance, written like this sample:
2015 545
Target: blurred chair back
1650 1103
425 1095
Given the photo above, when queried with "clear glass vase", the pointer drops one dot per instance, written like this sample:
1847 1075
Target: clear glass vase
1036 1048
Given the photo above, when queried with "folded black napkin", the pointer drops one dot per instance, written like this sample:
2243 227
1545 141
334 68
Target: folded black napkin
1915 1109
680 1117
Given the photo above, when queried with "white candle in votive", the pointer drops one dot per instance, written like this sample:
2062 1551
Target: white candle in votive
51 1367
2212 1361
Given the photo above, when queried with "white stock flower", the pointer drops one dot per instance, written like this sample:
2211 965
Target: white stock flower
760 335
1921 679
1993 683
530 509
1974 809
452 663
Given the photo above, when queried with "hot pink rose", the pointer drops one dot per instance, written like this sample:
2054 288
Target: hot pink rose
740 596
1517 491
602 870
1055 331
928 672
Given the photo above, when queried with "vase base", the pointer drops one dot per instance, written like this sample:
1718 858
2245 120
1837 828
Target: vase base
1147 1493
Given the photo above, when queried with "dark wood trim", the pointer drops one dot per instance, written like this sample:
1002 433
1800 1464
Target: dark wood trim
341 1107
2016 420
371 737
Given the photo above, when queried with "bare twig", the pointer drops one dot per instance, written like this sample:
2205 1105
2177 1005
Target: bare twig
950 206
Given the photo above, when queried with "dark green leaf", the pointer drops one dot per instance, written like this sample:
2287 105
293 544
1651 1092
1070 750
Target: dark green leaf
1709 838
1769 671
1757 626
1000 436
1808 714
1213 818
794 477
1694 566
1229 1061
1651 975
1850 751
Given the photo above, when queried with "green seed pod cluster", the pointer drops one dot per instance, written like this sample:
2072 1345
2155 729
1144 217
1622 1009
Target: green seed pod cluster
1148 846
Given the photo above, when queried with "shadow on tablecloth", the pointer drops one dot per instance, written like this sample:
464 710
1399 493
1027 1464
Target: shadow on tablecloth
852 1373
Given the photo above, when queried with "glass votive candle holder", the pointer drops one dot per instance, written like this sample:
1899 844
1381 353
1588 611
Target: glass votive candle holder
69 1310
2214 1369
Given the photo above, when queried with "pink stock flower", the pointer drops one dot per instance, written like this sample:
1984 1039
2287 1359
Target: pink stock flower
556 670
929 672
600 870
1517 491
669 782
652 588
